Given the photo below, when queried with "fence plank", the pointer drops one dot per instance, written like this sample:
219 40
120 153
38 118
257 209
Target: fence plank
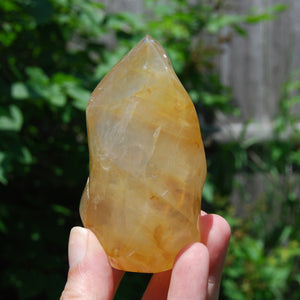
256 67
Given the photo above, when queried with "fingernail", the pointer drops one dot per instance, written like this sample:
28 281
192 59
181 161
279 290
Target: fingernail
77 245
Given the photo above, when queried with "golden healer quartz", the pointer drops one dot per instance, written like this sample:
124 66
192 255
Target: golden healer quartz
147 163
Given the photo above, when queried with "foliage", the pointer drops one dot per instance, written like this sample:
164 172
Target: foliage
264 256
52 54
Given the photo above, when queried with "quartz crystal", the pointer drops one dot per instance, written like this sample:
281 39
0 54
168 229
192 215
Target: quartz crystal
147 163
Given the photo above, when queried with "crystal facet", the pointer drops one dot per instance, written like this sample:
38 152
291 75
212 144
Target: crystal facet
147 163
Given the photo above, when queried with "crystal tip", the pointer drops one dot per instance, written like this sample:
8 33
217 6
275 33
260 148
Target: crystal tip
148 38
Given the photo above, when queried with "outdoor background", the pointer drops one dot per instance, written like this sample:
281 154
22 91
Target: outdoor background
239 61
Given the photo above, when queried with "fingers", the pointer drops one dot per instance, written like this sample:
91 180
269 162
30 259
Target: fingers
196 273
215 234
198 268
158 286
190 274
90 274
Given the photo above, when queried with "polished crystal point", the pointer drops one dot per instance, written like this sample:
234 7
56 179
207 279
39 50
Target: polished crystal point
147 163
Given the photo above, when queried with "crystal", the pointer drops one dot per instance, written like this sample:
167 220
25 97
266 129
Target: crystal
147 162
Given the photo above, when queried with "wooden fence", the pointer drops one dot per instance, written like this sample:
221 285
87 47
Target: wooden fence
254 67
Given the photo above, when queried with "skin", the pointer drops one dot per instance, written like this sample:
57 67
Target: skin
196 273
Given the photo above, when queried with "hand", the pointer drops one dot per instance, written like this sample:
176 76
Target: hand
196 273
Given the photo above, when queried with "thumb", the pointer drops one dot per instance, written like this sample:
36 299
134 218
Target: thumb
90 274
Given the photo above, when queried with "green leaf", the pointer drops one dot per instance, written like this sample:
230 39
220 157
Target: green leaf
56 95
218 22
208 192
292 86
270 13
118 24
194 96
26 157
19 91
37 76
132 22
64 79
240 30
111 58
254 250
8 33
277 8
253 19
11 118
8 6
61 210
213 99
295 157
3 178
67 114
292 101
80 97
3 227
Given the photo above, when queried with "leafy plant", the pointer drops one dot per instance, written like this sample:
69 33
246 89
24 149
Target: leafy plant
52 55
264 257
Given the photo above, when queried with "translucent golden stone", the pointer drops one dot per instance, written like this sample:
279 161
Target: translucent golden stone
147 163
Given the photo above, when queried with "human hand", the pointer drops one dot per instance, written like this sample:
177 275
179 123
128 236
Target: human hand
196 273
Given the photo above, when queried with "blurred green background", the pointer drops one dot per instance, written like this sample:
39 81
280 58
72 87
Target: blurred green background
52 55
